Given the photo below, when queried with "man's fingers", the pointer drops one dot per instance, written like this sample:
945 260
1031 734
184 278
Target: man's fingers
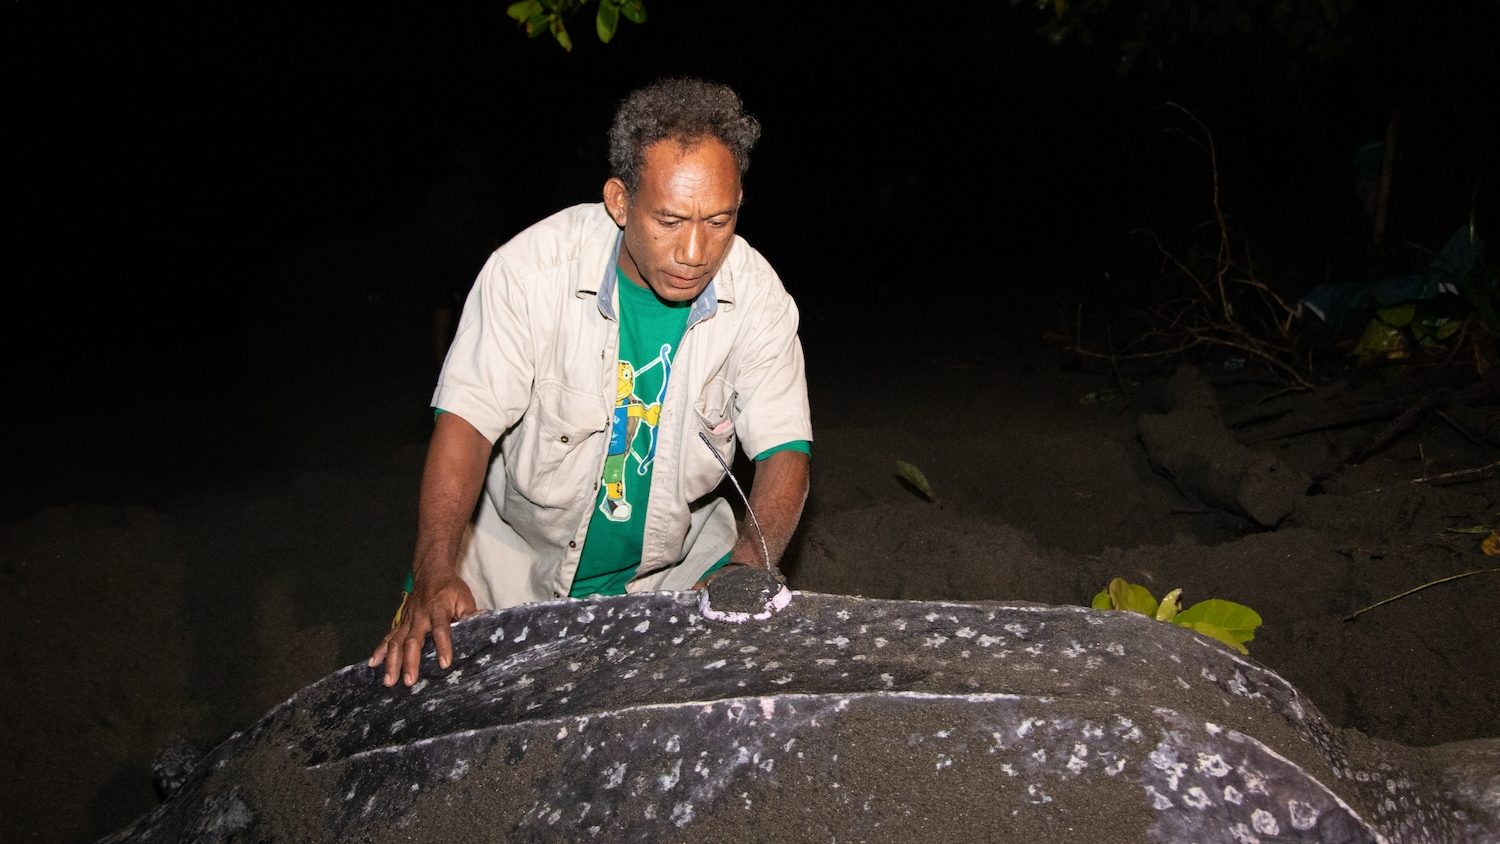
392 660
411 649
442 639
379 653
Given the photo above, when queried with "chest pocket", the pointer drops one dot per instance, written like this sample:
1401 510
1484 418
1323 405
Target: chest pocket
552 457
714 417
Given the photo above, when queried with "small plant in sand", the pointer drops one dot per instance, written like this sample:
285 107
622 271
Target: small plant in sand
1230 623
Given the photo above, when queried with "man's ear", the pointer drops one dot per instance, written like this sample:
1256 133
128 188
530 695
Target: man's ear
616 200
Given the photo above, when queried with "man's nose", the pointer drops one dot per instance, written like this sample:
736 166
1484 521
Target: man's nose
692 246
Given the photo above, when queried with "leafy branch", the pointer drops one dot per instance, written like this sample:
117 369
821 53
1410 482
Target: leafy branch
539 17
1230 623
1227 305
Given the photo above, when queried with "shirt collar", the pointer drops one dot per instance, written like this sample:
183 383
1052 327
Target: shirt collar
705 306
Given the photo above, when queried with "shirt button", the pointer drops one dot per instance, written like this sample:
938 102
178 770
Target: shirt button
564 437
572 544
557 594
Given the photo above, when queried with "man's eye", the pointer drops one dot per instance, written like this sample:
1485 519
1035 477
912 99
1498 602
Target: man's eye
668 224
718 224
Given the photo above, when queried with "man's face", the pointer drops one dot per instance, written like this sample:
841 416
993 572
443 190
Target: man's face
680 222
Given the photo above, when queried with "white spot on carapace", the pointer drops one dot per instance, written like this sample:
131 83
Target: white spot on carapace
1115 767
1115 648
1073 650
1079 760
1164 759
521 637
1304 815
965 632
718 663
1182 683
943 762
418 686
1196 798
1233 795
1160 802
1211 728
674 744
643 626
1241 834
614 775
562 733
986 640
1255 781
671 777
881 641
768 708
888 680
1018 629
682 814
934 641
1264 822
396 727
837 641
1036 795
1212 764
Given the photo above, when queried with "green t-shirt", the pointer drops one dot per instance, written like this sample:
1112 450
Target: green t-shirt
650 332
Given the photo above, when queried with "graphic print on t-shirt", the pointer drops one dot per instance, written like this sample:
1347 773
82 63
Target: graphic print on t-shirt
632 448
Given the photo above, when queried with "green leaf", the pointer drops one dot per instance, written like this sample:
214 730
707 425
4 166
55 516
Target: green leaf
1216 632
1380 342
634 11
1169 606
914 476
1102 602
1129 596
538 24
560 32
524 10
607 20
1236 620
1399 316
1478 530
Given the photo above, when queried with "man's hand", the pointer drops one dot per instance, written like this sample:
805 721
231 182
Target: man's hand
434 603
456 461
706 581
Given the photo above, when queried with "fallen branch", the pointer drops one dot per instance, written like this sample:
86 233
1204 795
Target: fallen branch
1356 613
1459 476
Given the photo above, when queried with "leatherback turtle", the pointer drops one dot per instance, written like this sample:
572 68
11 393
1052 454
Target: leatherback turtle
833 719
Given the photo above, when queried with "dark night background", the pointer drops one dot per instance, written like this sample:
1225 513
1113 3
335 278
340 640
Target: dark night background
162 156
926 174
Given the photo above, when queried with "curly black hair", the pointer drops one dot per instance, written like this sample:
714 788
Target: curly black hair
684 109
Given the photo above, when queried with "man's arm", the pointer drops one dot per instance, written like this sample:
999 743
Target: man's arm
776 495
457 459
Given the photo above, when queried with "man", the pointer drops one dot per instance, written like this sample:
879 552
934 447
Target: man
616 352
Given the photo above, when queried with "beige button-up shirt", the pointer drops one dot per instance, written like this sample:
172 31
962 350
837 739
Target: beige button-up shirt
533 367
